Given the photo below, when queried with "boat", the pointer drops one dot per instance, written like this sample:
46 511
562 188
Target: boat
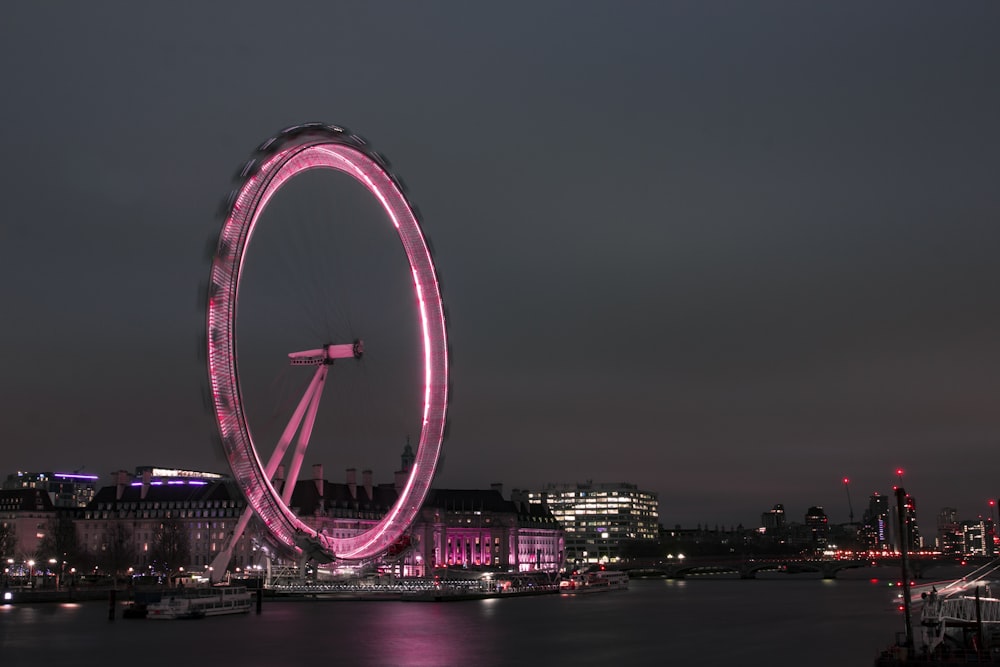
197 603
594 581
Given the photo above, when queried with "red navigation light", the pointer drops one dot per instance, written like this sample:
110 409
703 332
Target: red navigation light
992 502
847 481
899 471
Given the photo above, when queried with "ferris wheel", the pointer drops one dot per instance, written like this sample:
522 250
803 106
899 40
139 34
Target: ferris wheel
298 149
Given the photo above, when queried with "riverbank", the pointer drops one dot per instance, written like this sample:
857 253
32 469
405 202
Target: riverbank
304 594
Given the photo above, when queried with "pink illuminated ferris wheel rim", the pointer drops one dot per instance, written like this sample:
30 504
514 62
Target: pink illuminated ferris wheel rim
281 158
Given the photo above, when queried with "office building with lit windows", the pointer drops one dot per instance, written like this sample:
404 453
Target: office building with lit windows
599 518
876 523
817 526
950 536
65 489
977 538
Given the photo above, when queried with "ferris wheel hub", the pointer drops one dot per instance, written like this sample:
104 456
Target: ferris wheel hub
327 354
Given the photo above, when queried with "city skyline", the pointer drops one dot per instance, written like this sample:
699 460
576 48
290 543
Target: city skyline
13 480
711 252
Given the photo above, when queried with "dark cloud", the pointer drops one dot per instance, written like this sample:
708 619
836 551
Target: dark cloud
730 252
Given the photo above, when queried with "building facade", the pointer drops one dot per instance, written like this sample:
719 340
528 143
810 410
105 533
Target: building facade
949 532
599 518
126 527
817 525
977 538
65 489
479 528
876 525
774 523
456 529
26 517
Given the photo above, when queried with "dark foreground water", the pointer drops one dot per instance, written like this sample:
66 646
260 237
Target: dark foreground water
656 622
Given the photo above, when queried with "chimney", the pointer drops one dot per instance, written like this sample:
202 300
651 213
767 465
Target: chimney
352 482
400 480
498 487
147 477
318 478
121 481
520 500
366 479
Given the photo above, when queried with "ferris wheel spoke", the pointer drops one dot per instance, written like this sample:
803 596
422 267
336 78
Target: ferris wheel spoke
304 435
315 387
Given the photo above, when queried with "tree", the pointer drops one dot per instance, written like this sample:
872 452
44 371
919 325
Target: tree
171 548
8 540
119 552
60 542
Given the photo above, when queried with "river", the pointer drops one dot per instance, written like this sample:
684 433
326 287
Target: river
704 622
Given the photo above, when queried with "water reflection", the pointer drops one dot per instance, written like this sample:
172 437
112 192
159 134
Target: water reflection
654 622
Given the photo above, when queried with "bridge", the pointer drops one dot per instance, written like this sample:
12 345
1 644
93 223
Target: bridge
749 568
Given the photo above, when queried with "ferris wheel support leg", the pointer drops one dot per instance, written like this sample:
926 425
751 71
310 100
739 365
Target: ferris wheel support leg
304 434
221 562
293 424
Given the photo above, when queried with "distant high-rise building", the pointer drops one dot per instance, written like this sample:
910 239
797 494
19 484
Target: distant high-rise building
975 538
818 526
598 518
914 541
876 523
949 532
774 523
65 489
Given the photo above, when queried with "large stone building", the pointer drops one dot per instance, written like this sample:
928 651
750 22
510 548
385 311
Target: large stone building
174 521
599 518
26 516
124 523
465 529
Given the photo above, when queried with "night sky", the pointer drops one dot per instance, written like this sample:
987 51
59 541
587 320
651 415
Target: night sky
730 252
